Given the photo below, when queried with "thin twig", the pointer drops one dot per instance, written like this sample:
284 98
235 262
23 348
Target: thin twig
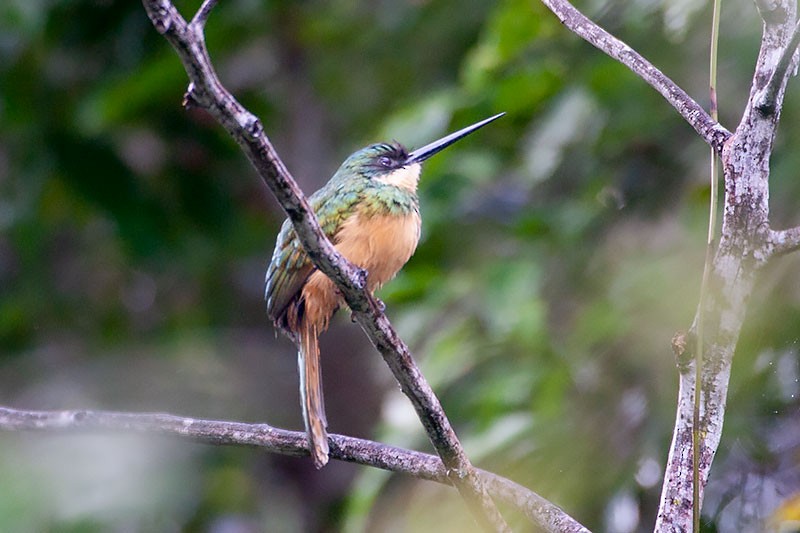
294 443
709 129
207 91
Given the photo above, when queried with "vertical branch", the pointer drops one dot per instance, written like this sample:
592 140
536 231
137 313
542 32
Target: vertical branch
746 241
745 245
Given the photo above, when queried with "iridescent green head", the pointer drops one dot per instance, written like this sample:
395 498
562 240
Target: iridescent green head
376 160
392 164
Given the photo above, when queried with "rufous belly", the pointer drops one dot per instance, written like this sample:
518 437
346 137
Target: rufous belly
379 244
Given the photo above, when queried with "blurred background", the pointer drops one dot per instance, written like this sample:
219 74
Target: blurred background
562 248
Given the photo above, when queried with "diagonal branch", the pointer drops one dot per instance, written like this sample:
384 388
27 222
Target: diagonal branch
360 451
203 13
777 82
207 91
709 129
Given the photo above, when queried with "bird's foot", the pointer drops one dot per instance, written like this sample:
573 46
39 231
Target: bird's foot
361 278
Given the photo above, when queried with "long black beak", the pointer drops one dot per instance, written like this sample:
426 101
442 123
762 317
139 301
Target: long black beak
421 154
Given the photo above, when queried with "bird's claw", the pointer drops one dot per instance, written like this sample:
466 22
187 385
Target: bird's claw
361 278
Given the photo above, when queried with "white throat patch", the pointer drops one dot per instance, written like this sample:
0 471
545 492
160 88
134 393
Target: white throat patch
405 178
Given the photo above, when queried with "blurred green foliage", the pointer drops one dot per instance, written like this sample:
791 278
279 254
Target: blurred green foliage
562 247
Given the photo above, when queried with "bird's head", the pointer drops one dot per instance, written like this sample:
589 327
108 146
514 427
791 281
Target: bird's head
392 164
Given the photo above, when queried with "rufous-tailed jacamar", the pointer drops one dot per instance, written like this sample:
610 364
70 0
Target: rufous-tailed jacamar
370 212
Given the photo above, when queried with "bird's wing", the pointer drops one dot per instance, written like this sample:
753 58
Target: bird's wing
287 272
290 266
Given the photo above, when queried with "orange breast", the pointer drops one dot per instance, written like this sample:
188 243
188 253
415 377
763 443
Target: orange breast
380 244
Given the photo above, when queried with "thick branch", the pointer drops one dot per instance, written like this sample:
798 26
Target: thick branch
359 451
207 91
745 245
709 129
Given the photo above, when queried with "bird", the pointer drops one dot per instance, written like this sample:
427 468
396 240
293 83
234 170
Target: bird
369 210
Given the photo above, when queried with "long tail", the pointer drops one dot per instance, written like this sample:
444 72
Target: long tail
311 394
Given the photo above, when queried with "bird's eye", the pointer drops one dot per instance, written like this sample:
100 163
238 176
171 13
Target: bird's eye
385 161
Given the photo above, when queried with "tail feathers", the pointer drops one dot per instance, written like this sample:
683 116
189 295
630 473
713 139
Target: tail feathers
311 395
